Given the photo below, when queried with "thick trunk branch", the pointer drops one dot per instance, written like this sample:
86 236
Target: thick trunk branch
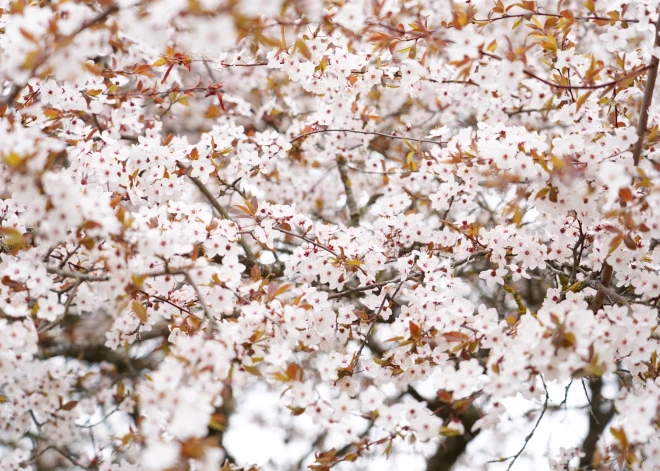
605 279
97 352
648 98
600 415
452 448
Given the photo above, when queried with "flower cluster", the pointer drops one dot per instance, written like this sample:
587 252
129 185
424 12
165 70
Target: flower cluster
392 222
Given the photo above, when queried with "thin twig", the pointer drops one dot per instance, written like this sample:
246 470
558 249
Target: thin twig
348 292
591 408
218 207
357 355
367 133
69 457
106 417
531 434
198 292
551 15
588 87
165 300
566 389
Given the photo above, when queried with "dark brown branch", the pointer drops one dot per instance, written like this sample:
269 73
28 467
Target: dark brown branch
255 64
605 279
275 269
165 300
353 209
598 420
648 98
100 18
611 295
69 457
98 352
200 296
315 244
367 335
613 83
525 111
452 448
11 97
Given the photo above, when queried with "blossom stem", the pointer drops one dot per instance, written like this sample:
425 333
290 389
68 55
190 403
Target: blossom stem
554 15
613 83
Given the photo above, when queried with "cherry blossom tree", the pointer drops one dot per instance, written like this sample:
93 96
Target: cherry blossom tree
376 229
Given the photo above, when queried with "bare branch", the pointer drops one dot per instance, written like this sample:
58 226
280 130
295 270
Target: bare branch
513 458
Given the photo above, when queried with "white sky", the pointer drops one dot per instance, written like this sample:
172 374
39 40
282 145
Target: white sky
253 440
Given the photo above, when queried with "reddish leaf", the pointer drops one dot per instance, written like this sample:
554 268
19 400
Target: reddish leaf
456 336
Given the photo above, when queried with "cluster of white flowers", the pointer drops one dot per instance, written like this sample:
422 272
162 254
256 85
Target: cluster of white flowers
396 218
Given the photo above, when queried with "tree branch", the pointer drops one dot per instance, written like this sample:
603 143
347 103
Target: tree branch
598 420
613 83
78 276
353 209
513 458
200 296
648 98
452 448
605 278
43 56
217 206
98 352
348 292
367 133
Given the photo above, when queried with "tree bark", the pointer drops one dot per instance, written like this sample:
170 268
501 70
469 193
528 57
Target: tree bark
599 417
648 98
452 448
